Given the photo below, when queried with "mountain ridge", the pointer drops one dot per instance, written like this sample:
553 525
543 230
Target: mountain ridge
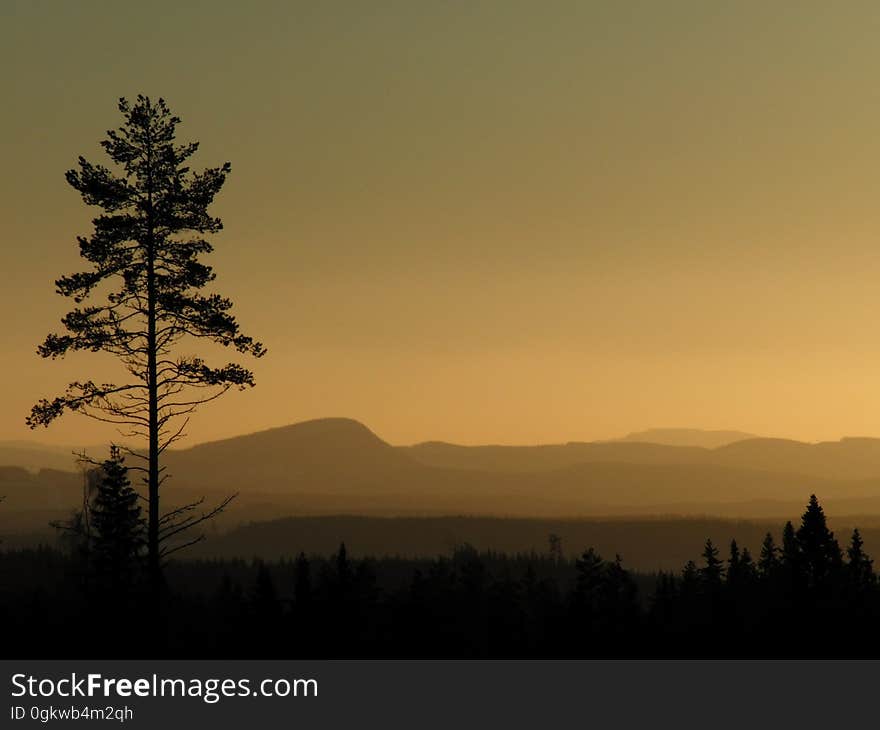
705 438
339 465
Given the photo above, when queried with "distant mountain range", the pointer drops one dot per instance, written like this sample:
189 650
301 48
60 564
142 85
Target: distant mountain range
339 466
687 437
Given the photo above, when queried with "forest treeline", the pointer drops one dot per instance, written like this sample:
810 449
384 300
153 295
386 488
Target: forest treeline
802 595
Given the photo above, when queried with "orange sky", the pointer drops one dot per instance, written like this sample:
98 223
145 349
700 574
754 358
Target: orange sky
508 222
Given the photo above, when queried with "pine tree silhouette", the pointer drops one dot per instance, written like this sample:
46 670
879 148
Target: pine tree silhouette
145 282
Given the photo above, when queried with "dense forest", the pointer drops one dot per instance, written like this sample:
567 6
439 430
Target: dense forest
803 595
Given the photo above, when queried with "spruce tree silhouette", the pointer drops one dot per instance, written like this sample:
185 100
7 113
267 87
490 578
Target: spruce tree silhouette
118 530
146 246
768 563
712 571
819 552
860 567
734 564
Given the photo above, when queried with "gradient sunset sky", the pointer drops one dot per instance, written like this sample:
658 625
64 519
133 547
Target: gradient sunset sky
505 222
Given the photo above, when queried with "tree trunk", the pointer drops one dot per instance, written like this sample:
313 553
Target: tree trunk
153 563
155 569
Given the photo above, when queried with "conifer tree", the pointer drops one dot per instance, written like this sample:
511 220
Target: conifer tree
790 547
145 252
117 527
689 593
818 548
734 563
618 596
860 567
713 569
768 563
747 565
590 569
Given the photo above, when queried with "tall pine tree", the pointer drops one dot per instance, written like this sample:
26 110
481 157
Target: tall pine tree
145 254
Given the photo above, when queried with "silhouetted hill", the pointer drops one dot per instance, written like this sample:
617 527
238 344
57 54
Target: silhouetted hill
687 437
849 458
339 453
